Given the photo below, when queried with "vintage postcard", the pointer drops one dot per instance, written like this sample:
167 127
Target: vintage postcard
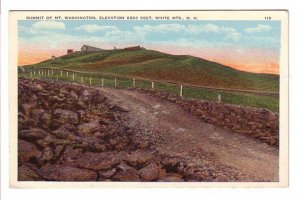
148 99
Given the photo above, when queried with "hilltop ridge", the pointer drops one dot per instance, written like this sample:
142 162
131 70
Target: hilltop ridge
162 66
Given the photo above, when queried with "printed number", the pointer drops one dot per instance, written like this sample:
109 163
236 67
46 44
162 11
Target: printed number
268 18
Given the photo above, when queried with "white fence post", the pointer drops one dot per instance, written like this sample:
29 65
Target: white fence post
57 77
90 81
133 82
81 79
67 74
219 98
60 72
52 72
152 86
115 82
102 82
34 72
73 77
48 72
180 90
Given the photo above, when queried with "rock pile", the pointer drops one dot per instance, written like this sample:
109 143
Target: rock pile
70 132
255 122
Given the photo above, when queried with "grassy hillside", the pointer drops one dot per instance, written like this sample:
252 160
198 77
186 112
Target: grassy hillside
156 65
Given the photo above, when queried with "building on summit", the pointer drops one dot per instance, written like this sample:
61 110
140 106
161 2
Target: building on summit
134 48
86 48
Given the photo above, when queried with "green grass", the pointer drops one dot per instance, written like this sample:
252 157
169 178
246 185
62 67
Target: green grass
160 66
156 65
251 100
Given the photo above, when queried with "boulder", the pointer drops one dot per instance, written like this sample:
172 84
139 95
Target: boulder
89 128
57 152
47 154
62 133
63 116
27 151
97 161
126 173
56 172
107 174
137 158
32 134
49 139
28 172
74 95
70 155
150 172
36 115
26 108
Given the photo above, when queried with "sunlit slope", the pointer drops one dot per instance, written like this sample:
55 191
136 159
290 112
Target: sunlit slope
161 66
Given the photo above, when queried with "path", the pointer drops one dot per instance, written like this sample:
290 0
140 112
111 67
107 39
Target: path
184 133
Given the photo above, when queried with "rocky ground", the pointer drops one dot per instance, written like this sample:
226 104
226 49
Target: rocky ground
71 132
258 123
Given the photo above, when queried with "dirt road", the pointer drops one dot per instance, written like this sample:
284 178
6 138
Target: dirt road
175 130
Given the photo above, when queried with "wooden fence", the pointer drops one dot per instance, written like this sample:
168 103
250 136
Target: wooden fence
113 80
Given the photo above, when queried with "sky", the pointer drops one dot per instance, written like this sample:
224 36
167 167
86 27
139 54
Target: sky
252 46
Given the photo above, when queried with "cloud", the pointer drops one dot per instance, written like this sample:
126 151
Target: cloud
258 29
234 36
227 29
121 36
210 28
91 28
190 29
161 28
48 25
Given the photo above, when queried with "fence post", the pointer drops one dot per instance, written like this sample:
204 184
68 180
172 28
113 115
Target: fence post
102 82
42 72
34 72
67 74
90 81
133 83
48 72
115 82
31 74
73 77
52 72
60 72
219 98
81 79
152 86
39 72
180 90
57 77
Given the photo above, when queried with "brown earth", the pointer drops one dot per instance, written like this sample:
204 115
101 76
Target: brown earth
188 136
71 132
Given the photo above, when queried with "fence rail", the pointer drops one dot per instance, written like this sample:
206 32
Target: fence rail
173 82
221 95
